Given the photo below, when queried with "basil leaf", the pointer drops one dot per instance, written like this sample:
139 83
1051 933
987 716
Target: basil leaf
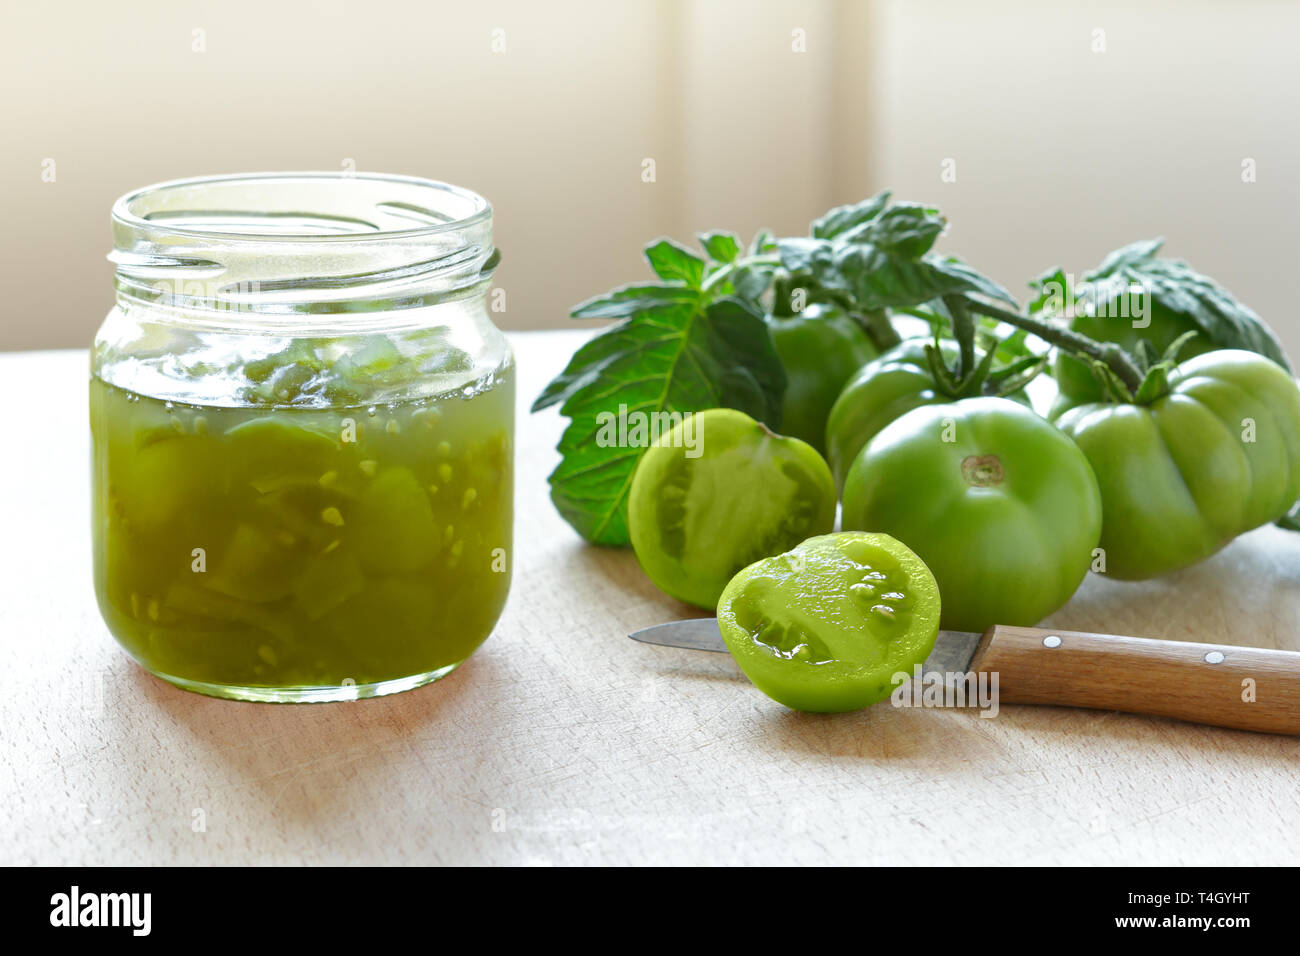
675 263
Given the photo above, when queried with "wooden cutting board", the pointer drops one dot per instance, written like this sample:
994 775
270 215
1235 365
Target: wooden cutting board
563 742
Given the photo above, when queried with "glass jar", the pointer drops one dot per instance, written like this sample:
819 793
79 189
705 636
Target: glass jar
302 423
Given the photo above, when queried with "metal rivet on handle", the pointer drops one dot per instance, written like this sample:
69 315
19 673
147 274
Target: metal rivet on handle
1051 641
1214 657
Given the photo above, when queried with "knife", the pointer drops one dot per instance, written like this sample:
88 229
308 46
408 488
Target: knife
1246 688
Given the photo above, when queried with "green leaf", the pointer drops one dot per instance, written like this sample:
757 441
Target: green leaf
1115 389
972 281
675 263
1125 257
721 246
631 299
879 279
1176 348
909 229
945 382
843 218
763 242
806 255
1174 285
1291 520
973 383
1010 379
1051 292
674 358
752 282
1155 384
1011 348
1145 355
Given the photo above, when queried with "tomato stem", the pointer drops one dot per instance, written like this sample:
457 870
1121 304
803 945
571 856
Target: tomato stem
1108 353
875 322
963 330
727 271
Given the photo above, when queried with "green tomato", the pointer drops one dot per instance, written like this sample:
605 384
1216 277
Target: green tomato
1078 385
820 349
882 390
1000 504
719 492
1183 476
395 530
827 625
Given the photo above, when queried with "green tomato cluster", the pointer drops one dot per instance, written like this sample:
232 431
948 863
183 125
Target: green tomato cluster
981 510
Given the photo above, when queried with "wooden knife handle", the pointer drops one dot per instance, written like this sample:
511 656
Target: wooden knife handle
1249 688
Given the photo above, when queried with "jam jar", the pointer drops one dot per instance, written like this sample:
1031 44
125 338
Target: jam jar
302 422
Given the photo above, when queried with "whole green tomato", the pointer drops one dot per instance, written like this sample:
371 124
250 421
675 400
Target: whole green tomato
820 349
896 382
1183 476
1161 327
1000 505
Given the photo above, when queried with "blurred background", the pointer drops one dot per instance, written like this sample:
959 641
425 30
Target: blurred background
1048 133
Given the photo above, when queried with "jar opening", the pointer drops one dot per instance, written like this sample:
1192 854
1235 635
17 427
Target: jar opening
301 242
301 206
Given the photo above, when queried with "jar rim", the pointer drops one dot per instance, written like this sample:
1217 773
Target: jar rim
301 242
126 209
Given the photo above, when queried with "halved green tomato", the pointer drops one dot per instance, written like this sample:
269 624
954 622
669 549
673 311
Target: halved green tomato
718 492
395 528
826 626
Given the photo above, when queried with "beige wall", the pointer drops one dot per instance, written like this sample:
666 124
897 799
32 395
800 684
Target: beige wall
1061 153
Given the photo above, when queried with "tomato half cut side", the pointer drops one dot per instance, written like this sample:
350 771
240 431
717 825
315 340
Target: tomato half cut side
825 626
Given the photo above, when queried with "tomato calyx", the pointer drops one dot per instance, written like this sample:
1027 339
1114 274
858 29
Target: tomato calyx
1153 368
972 373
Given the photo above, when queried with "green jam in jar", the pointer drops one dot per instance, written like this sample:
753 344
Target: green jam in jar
284 515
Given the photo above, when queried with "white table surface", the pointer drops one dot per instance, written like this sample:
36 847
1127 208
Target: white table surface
563 742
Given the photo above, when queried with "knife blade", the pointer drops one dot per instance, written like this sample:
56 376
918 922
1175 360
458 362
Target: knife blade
952 654
1223 685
